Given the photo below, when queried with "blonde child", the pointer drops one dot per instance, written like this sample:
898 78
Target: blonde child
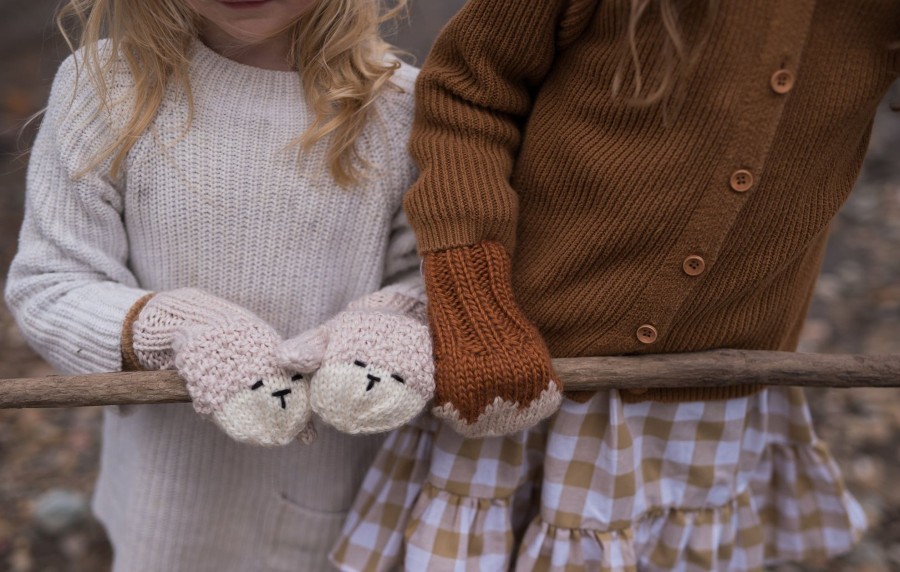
214 176
624 177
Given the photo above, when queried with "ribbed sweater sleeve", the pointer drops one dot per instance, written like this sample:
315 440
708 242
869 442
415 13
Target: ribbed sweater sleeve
473 96
69 286
402 260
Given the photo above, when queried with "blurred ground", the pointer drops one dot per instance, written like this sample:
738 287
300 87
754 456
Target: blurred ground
856 310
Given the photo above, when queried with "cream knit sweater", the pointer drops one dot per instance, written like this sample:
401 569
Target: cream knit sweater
228 207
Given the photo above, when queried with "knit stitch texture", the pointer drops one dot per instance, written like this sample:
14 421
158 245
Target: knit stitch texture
492 370
226 355
227 206
372 362
522 140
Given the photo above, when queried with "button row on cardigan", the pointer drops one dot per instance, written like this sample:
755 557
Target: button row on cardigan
694 265
647 334
741 180
782 81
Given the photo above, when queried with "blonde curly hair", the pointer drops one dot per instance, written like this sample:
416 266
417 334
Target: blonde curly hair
342 62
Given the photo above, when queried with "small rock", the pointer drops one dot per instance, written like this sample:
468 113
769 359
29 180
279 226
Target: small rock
868 473
58 510
75 546
858 406
850 272
828 289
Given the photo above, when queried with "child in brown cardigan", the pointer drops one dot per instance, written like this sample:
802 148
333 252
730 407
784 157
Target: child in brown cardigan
624 177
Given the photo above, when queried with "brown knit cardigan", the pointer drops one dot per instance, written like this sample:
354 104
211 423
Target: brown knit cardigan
635 231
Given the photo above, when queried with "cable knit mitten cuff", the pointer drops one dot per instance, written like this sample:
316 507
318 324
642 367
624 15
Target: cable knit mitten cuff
372 362
226 356
130 361
493 373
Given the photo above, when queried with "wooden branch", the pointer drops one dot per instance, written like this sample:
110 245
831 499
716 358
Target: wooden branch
706 369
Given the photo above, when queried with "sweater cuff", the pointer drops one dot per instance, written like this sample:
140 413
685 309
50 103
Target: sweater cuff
438 227
130 360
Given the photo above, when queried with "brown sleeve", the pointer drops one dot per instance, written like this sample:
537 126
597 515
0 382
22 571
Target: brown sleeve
129 358
472 98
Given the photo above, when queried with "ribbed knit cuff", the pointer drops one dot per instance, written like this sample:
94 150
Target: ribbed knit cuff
493 372
130 360
465 220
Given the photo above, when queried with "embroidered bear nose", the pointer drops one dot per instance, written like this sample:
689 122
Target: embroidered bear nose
372 381
280 394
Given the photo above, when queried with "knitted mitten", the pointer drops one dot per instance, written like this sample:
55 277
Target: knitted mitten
492 369
372 362
226 355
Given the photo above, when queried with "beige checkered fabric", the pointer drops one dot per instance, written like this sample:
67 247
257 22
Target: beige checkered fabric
373 531
712 485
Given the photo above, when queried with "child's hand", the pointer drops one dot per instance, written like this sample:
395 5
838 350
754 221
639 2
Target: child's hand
492 369
372 362
226 356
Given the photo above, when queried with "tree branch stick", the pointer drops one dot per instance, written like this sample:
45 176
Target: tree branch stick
705 369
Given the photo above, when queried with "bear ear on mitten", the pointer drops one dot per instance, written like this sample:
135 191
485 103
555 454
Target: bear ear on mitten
306 352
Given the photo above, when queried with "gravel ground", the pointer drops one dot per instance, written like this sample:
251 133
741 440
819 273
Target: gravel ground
856 308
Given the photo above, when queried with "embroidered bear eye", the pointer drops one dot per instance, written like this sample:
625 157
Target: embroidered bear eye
257 385
297 377
398 378
359 363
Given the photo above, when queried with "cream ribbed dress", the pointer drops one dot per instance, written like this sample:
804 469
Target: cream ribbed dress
225 205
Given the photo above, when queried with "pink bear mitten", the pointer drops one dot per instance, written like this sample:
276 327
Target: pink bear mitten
226 355
373 366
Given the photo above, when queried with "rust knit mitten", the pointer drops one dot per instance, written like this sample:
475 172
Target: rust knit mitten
492 369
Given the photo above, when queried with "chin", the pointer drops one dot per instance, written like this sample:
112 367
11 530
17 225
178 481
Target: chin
248 36
249 23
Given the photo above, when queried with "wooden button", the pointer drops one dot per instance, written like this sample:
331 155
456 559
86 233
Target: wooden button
647 334
694 265
782 81
741 180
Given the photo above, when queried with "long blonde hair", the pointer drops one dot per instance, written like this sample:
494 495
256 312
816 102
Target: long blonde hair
675 56
337 48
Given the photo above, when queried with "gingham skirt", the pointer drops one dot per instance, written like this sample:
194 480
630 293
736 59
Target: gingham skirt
610 486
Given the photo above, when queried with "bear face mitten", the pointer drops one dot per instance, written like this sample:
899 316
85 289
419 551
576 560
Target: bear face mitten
226 356
493 373
372 362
